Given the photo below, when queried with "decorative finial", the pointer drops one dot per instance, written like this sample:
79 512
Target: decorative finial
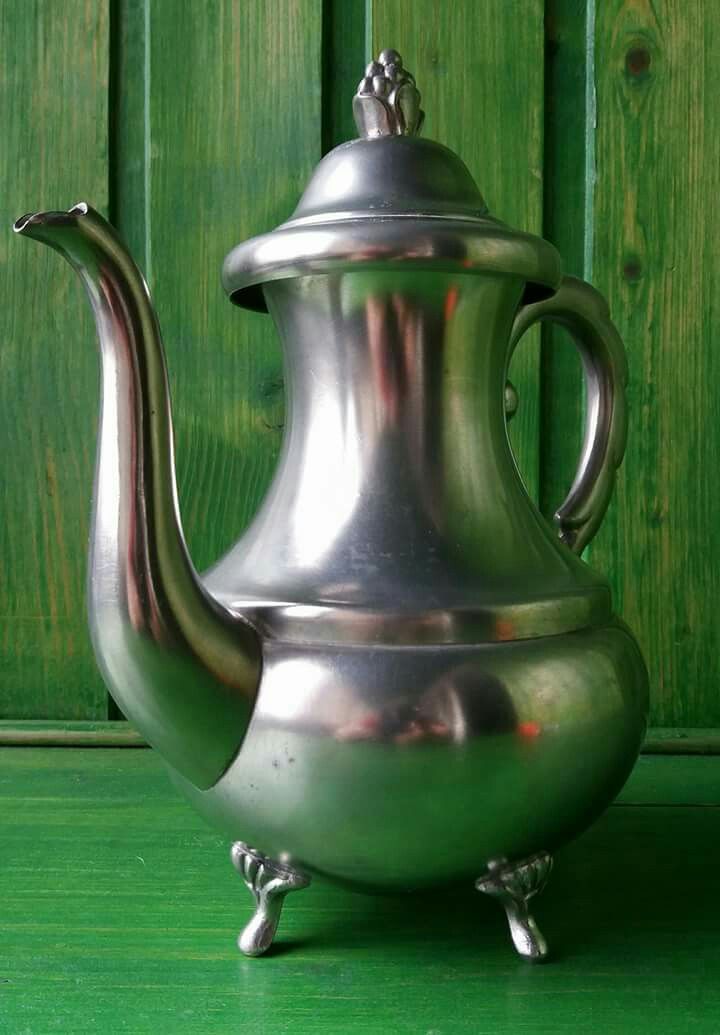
387 102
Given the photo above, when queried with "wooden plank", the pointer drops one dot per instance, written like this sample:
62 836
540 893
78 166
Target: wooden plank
111 883
479 67
344 59
657 258
673 740
53 114
129 115
42 733
565 198
234 131
678 780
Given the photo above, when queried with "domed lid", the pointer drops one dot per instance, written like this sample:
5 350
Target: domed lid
389 199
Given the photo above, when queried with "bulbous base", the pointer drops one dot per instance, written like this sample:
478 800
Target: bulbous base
357 758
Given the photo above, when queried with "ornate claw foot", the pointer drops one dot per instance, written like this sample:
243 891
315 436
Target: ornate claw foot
269 881
514 884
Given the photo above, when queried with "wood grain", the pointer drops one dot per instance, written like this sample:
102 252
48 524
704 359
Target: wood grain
344 44
80 733
129 96
564 202
54 61
120 913
656 257
234 132
479 68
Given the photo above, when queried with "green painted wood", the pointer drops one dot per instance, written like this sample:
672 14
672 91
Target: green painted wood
665 781
672 740
564 201
120 912
479 67
53 114
40 732
344 59
656 228
234 130
129 93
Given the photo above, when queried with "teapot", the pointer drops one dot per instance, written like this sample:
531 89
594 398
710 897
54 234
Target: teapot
401 676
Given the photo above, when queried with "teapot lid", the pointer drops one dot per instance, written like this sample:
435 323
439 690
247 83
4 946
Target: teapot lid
389 199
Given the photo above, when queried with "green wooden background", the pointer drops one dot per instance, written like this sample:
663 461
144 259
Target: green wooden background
193 125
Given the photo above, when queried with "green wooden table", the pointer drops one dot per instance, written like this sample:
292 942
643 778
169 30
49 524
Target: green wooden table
120 911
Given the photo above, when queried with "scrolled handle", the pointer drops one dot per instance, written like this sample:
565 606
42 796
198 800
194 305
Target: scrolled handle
584 313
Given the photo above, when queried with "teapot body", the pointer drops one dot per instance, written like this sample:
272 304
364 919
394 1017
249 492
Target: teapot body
401 675
443 683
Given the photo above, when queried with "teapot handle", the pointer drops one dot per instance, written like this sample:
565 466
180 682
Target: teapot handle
584 313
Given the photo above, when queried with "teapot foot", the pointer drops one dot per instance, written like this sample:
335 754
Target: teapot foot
513 885
269 881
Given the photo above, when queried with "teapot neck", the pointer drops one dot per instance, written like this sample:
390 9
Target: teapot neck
396 489
390 379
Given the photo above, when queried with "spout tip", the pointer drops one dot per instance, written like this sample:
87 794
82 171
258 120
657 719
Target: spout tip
21 225
31 220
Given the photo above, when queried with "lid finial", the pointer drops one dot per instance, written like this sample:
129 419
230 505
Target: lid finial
387 101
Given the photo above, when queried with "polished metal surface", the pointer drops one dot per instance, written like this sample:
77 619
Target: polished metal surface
395 178
268 881
180 666
405 767
387 102
388 243
400 672
513 886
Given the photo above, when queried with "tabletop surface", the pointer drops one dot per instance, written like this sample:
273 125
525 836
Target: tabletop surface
120 911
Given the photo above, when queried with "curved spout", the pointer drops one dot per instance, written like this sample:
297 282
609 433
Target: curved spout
180 666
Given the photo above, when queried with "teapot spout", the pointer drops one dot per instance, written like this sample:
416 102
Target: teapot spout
182 668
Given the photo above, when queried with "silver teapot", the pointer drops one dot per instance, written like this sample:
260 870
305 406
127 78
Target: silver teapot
401 675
